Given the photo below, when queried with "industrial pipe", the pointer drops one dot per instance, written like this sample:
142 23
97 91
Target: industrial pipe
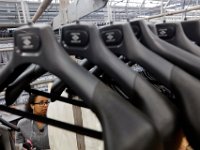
43 6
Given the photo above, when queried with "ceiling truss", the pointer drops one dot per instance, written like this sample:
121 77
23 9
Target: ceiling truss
11 11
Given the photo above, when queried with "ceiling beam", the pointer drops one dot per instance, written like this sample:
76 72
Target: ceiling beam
43 6
143 2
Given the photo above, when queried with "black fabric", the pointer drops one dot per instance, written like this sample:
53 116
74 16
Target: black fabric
91 90
130 131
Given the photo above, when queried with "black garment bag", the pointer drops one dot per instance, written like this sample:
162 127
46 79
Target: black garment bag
23 81
131 83
174 34
130 47
192 30
185 87
12 77
58 86
14 89
177 56
120 121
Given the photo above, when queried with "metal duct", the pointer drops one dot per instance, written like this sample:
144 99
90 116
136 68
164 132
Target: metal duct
43 6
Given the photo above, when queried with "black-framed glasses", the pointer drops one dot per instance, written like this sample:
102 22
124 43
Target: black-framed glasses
42 103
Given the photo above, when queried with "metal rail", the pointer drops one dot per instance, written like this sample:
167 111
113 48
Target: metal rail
43 6
173 13
10 25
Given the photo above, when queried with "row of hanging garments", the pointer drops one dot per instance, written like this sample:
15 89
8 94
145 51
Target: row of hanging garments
144 109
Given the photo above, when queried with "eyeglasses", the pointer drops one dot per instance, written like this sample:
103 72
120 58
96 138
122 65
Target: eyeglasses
42 103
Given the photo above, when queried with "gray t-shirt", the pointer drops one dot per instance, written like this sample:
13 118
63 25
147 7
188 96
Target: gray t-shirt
30 131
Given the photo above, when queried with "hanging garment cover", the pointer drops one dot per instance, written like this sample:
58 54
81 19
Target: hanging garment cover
120 121
130 82
21 83
192 31
185 87
174 34
177 56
